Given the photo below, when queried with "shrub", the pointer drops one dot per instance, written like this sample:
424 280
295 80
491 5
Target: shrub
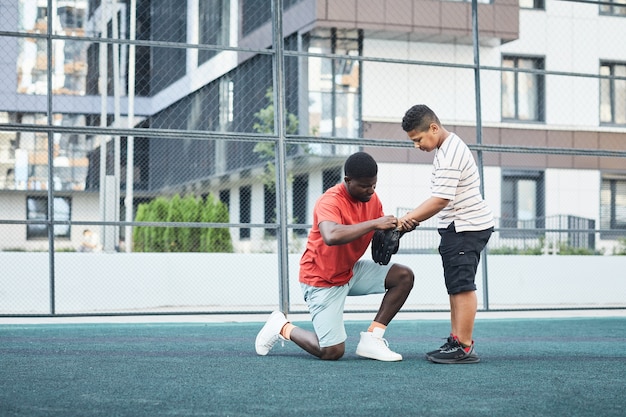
189 209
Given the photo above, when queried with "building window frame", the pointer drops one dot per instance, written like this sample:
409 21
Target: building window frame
269 204
330 178
613 206
300 192
612 93
245 210
213 26
616 8
37 209
333 86
517 101
532 4
522 203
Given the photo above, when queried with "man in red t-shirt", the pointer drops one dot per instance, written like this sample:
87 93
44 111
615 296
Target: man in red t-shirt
344 220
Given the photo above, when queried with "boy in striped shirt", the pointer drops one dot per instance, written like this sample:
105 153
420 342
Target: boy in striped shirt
465 225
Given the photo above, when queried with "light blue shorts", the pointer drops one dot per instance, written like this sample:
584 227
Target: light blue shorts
326 304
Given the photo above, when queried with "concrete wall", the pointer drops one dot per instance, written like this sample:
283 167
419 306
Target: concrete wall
147 282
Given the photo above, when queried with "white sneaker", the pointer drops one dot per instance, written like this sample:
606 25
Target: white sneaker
374 346
270 333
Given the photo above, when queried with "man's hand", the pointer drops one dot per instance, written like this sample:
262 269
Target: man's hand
387 222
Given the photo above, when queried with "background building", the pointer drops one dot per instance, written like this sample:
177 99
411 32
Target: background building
185 83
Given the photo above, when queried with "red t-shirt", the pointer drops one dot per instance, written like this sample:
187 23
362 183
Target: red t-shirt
331 266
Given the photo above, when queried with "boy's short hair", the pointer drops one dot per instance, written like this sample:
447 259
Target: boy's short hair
419 118
360 165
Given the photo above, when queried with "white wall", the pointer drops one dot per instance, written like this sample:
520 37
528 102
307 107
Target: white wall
135 283
403 185
574 192
390 89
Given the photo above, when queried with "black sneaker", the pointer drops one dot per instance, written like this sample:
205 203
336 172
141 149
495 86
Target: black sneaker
455 353
445 346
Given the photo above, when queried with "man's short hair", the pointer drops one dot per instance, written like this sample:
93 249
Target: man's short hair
419 118
360 165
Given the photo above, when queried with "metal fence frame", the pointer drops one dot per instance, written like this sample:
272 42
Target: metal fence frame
280 137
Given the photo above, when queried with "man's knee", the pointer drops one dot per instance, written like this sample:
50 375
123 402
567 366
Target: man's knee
333 353
400 276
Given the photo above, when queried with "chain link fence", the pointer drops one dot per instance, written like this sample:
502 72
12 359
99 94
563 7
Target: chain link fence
161 157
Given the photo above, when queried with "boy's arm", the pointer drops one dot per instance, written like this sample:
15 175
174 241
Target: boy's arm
424 211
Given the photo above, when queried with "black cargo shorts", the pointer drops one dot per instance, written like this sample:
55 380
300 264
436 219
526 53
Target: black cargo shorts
460 254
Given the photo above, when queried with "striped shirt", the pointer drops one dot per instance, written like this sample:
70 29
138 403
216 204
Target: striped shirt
455 177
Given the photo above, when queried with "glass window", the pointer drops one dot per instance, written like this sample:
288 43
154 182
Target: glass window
333 86
69 66
522 89
331 177
30 149
613 93
168 23
37 209
300 193
270 207
245 210
532 4
613 7
225 197
226 104
522 205
613 204
213 26
255 13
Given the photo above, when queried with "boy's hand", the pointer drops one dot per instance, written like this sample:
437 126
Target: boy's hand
406 224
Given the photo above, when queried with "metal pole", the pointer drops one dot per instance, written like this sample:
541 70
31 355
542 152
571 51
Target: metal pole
102 81
479 136
130 144
117 159
50 192
281 175
333 91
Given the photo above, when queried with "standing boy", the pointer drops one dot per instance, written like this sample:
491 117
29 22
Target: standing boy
465 225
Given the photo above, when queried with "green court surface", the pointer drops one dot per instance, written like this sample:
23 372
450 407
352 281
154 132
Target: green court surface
529 367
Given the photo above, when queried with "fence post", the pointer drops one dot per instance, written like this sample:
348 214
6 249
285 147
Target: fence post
479 136
281 175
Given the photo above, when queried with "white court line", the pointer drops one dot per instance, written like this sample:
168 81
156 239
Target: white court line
249 318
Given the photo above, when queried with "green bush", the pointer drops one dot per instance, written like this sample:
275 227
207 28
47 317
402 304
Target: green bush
565 249
215 239
507 250
189 209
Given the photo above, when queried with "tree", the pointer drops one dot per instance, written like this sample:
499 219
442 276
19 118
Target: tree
267 150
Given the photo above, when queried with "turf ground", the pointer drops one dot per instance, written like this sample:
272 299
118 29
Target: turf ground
530 367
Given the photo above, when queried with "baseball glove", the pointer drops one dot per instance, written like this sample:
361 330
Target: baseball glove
384 244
